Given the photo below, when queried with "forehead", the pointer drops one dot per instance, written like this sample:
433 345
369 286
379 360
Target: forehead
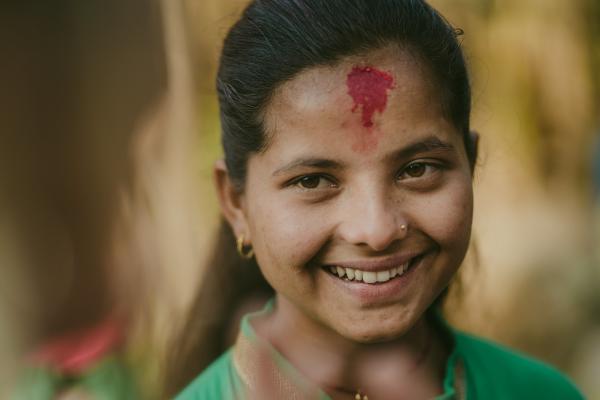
320 103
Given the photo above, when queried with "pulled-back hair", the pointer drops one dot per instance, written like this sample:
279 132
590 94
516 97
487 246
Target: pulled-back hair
275 40
272 42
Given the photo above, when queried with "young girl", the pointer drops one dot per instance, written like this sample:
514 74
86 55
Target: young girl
348 178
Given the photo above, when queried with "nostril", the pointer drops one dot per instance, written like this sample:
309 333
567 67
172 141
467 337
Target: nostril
377 237
372 220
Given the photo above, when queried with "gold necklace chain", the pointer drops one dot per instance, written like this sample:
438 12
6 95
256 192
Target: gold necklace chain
424 354
459 385
359 396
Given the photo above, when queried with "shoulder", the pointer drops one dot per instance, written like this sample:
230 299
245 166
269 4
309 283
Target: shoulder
492 366
218 381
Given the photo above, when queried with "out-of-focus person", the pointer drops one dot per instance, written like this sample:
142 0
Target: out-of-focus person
85 108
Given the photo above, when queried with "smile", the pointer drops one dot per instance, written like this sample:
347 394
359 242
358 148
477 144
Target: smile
370 277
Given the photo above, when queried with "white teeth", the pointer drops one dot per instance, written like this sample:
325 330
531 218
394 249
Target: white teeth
383 276
369 277
358 275
350 273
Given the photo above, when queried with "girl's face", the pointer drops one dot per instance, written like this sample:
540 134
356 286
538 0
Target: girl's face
363 175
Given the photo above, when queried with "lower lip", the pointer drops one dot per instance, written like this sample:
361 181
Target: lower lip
378 292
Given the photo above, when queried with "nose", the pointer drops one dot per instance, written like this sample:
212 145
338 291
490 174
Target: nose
372 219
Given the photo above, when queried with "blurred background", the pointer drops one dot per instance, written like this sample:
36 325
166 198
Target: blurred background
110 128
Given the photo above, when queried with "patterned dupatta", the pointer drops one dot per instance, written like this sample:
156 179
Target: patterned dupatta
265 373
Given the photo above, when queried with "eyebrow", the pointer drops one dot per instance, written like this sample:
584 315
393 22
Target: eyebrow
309 163
428 144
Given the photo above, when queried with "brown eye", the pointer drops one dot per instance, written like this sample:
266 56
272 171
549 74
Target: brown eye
314 182
310 182
416 170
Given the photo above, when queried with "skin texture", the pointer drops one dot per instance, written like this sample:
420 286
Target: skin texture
350 206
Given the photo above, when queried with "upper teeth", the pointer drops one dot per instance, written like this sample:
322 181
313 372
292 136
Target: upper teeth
368 276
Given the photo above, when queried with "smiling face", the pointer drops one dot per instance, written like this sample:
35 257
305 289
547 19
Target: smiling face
373 196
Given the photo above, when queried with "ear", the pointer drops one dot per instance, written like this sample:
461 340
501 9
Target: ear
474 149
231 201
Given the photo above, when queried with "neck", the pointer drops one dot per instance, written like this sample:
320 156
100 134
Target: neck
413 363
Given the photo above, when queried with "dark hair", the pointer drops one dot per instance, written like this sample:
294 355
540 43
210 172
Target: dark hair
273 41
276 39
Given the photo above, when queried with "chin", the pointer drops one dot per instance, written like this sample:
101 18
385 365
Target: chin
377 332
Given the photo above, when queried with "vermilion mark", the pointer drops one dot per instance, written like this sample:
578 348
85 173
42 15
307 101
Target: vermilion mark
368 87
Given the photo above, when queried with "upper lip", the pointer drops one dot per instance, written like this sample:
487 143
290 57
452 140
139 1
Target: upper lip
377 264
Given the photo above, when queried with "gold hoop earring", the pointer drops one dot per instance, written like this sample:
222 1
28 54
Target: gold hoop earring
246 254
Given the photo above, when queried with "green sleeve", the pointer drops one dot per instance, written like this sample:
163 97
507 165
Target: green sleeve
496 372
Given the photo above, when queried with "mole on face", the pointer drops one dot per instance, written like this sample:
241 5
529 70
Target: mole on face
369 87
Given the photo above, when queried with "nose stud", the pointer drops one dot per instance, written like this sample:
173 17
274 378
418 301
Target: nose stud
403 227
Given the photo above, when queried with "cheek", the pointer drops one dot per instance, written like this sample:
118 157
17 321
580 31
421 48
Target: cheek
284 235
445 216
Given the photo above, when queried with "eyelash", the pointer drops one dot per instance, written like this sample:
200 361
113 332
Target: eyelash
426 164
297 182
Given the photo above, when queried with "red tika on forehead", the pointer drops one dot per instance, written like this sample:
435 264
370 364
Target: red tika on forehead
368 88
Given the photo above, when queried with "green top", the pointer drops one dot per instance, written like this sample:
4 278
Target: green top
489 371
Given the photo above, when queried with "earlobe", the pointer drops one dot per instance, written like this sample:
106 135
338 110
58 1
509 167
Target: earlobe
231 200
